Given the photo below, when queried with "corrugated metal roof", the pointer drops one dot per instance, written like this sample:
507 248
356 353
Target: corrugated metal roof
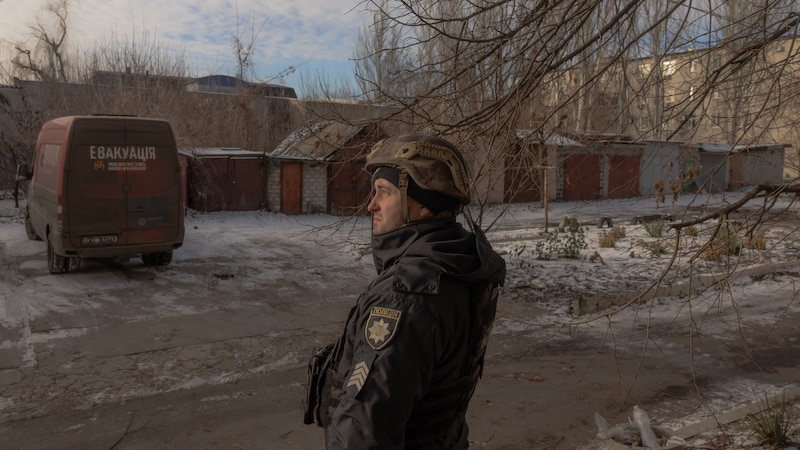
547 138
316 141
220 152
714 148
759 147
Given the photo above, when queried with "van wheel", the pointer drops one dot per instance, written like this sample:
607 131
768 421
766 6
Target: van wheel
157 258
73 263
29 227
55 262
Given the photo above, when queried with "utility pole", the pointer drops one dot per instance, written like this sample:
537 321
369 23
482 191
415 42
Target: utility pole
544 194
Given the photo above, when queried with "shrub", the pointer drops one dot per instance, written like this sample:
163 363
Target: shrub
654 228
570 224
727 241
658 247
573 243
618 232
607 240
757 242
724 243
770 426
711 253
547 248
568 245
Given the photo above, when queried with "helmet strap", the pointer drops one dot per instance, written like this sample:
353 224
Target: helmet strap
402 184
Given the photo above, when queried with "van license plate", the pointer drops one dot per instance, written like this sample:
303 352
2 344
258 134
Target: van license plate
99 240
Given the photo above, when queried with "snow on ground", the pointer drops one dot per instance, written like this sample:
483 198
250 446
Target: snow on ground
600 276
606 274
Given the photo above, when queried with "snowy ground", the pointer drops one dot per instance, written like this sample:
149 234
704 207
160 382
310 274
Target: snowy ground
757 288
550 300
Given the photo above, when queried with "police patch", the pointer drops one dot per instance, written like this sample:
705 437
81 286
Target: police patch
381 325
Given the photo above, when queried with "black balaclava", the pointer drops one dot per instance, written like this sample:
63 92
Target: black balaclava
436 202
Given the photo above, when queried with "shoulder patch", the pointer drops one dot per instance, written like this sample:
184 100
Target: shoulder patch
381 326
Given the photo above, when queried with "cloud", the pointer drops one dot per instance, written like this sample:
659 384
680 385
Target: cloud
293 33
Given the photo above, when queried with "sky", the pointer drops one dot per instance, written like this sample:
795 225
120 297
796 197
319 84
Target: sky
313 37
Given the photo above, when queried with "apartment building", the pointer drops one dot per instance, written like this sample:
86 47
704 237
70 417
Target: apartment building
731 96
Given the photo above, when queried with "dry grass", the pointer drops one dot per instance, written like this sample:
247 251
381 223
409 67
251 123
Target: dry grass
606 239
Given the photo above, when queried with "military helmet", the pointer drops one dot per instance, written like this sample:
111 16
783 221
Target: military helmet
432 162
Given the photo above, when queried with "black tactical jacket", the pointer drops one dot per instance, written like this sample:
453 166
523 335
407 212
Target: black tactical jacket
413 346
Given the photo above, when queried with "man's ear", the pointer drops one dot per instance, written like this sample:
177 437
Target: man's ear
416 211
425 213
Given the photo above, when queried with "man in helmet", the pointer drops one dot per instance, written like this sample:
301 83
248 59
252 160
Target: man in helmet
403 372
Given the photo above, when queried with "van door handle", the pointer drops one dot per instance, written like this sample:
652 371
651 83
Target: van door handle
138 209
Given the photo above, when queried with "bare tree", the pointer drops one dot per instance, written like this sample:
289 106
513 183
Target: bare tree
487 62
381 61
656 69
139 55
244 39
47 61
136 76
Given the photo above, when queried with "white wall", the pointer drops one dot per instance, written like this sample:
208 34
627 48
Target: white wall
315 188
660 161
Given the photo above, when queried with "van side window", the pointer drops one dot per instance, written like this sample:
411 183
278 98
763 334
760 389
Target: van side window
50 155
47 166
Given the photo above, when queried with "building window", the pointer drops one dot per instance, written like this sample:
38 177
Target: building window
670 98
669 68
716 62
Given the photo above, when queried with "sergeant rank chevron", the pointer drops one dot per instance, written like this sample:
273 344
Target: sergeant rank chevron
358 376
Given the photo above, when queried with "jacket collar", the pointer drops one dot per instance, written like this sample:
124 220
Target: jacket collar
388 247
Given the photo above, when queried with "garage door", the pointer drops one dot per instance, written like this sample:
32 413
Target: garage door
581 178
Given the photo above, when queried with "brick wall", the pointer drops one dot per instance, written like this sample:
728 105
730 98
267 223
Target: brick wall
315 188
274 186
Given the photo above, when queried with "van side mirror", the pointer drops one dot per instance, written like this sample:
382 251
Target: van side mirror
22 172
